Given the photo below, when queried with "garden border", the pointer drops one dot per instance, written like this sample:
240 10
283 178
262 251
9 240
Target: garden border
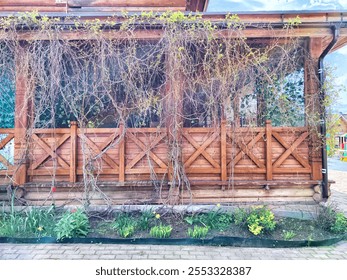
215 241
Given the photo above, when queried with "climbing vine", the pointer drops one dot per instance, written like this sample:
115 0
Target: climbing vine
184 71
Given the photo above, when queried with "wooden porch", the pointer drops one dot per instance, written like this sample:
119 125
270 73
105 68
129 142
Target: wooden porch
132 166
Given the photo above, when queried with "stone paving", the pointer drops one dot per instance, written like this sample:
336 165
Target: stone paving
160 252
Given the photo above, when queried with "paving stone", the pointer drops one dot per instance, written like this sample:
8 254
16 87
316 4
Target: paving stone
41 257
11 256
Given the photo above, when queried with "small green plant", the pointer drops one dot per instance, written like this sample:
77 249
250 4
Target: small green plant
74 223
329 219
161 231
240 217
126 231
216 220
125 225
260 219
325 217
145 220
12 224
340 224
192 219
36 222
288 235
41 222
198 232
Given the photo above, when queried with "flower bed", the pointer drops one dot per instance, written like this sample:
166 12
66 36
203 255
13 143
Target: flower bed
256 226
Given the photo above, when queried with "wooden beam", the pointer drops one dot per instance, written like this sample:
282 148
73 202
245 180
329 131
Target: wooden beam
223 152
29 3
127 3
22 116
122 153
156 34
312 105
268 129
73 151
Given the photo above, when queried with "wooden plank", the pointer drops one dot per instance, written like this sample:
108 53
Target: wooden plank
28 2
73 151
22 109
127 3
248 170
146 170
31 8
246 200
268 129
248 193
51 131
6 130
257 183
201 170
49 172
122 154
291 170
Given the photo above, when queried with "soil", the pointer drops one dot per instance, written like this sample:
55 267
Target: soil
300 229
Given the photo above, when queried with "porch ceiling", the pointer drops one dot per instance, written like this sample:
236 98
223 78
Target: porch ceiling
102 5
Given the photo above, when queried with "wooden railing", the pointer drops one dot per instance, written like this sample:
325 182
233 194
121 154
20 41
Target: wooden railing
8 134
134 155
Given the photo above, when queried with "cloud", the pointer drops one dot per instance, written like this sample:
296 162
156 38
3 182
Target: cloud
342 51
275 5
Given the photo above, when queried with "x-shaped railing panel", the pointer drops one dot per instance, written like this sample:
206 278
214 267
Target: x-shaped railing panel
146 150
246 149
201 149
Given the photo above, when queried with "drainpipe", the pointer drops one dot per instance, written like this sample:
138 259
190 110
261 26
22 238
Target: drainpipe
323 128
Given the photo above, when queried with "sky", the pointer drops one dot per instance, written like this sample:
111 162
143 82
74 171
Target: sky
337 60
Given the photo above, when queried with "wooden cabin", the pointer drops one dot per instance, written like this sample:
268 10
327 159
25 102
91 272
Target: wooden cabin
236 155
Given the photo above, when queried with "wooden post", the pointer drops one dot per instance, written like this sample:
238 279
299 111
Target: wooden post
173 106
122 153
73 152
268 129
312 105
21 118
223 151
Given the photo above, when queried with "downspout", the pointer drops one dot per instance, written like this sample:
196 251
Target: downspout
323 128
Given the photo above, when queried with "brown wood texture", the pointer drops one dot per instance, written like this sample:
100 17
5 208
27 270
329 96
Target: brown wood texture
127 3
22 109
142 152
27 2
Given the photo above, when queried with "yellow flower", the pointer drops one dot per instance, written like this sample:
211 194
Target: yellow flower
40 228
218 205
157 216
